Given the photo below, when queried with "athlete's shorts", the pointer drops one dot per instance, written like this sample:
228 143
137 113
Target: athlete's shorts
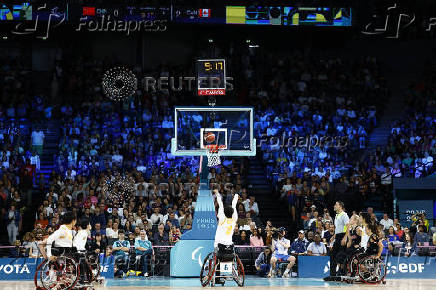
281 258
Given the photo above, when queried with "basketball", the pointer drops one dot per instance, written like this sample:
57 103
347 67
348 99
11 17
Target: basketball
209 137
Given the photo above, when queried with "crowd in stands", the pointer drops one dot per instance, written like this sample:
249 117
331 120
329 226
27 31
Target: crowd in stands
113 163
411 146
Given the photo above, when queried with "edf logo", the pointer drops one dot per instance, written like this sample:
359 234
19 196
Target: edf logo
405 268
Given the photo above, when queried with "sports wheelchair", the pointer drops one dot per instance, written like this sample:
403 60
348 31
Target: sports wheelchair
365 269
65 271
224 260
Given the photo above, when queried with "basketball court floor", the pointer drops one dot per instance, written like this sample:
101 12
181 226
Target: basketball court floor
251 282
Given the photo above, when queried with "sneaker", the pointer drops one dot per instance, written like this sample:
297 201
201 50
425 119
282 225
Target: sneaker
146 274
285 275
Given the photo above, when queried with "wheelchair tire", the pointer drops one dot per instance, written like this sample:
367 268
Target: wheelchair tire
238 273
94 267
38 271
68 280
208 269
372 280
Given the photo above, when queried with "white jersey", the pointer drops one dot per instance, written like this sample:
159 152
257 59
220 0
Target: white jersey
62 237
80 240
364 238
226 226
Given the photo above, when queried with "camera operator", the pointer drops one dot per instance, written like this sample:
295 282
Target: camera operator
280 247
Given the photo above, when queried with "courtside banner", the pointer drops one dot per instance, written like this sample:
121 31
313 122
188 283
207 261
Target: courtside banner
415 267
24 269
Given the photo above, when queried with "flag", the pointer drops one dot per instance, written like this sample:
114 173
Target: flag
88 11
204 13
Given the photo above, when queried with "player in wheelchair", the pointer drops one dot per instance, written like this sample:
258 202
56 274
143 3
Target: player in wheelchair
89 262
62 265
59 269
365 265
223 263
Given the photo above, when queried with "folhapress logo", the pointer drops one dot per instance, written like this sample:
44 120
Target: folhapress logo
16 269
405 268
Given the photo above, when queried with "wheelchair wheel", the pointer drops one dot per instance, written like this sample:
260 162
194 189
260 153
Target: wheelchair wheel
38 274
238 271
352 265
208 269
94 266
371 270
61 274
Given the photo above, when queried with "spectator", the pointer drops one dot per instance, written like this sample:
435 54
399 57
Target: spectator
243 239
98 230
263 263
251 206
112 232
156 217
38 141
161 237
144 249
392 236
434 239
421 237
121 249
97 245
42 221
408 245
13 219
316 248
174 235
386 222
299 245
255 239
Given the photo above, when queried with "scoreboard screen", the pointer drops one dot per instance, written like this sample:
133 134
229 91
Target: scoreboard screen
211 77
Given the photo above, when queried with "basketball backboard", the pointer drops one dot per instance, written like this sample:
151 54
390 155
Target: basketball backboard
232 129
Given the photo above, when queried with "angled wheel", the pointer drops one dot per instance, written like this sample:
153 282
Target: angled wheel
208 269
371 270
61 274
49 275
238 271
94 267
38 274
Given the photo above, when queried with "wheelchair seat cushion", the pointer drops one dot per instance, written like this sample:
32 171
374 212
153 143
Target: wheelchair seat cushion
225 252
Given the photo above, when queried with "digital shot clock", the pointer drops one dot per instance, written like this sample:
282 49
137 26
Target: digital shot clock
211 77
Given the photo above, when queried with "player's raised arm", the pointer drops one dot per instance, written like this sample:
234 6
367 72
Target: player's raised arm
221 215
234 203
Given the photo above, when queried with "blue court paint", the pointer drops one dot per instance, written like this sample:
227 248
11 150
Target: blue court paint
195 282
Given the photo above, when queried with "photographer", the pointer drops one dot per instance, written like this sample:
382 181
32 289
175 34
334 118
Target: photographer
263 263
420 219
280 247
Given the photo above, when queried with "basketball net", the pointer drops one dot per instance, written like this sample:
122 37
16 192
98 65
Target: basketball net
213 153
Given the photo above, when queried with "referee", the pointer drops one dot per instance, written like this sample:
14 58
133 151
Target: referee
341 221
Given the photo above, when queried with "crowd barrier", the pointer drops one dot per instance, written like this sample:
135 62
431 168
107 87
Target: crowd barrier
414 267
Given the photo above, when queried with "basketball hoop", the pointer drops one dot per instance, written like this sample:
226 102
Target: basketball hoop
213 153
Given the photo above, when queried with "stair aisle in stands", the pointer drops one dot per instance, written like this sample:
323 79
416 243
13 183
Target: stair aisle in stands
270 207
